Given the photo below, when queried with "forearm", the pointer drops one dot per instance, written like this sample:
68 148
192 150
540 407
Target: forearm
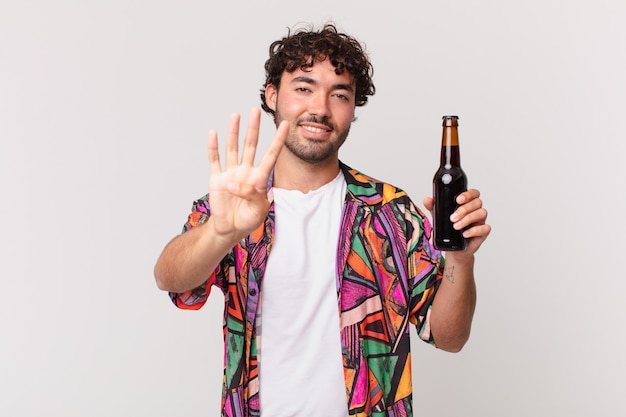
190 258
454 304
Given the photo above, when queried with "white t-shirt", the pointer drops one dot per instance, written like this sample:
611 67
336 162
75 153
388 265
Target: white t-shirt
299 350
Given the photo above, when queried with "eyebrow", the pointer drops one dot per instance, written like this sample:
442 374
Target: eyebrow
309 80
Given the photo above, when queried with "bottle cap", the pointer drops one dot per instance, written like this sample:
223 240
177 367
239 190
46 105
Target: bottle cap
450 121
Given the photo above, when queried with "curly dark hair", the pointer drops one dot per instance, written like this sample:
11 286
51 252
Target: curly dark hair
304 47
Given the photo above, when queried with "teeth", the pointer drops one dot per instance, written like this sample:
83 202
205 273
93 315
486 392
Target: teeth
314 129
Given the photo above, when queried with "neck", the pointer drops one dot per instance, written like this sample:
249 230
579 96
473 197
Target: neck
292 173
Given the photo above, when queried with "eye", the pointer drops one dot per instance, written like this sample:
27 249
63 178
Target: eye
342 97
302 89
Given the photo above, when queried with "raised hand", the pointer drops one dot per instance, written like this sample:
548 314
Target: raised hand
238 193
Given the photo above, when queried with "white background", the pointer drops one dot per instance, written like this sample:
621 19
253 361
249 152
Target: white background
104 111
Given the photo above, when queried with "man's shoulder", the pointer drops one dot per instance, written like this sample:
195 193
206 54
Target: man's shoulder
370 190
201 204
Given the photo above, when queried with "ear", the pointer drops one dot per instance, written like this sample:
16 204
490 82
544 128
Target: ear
271 95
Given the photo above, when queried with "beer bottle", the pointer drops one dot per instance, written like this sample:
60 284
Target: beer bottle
448 183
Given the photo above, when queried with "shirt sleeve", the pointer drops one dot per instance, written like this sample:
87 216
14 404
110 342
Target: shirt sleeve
425 270
195 298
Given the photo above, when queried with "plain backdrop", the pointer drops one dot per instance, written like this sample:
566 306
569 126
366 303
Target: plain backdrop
104 112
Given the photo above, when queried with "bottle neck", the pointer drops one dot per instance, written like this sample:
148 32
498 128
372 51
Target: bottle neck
450 154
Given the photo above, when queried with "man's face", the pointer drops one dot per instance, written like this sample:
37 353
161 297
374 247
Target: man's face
319 106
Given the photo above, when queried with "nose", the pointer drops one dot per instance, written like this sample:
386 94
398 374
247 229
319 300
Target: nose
319 105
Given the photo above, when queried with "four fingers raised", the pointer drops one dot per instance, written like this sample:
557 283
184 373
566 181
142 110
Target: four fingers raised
250 145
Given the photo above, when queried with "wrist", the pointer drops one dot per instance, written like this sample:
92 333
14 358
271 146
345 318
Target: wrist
221 237
459 258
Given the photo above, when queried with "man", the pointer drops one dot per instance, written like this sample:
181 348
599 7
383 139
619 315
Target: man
322 267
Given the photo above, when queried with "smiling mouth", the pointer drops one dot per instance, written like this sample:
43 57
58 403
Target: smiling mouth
314 129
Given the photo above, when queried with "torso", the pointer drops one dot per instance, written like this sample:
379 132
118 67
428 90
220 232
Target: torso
301 369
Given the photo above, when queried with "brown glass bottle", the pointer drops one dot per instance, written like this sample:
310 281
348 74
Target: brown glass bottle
448 183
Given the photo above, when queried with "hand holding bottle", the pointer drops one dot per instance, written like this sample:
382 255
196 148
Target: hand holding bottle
470 219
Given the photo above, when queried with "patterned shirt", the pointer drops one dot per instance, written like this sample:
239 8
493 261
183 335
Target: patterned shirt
387 275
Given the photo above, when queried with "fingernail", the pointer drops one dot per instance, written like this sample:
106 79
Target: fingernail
454 217
460 199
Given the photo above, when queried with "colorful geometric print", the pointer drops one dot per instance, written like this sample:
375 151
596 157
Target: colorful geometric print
387 276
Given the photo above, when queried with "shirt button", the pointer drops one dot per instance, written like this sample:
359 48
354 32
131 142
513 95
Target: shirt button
252 292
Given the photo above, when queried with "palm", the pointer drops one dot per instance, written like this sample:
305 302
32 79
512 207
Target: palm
238 194
238 214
